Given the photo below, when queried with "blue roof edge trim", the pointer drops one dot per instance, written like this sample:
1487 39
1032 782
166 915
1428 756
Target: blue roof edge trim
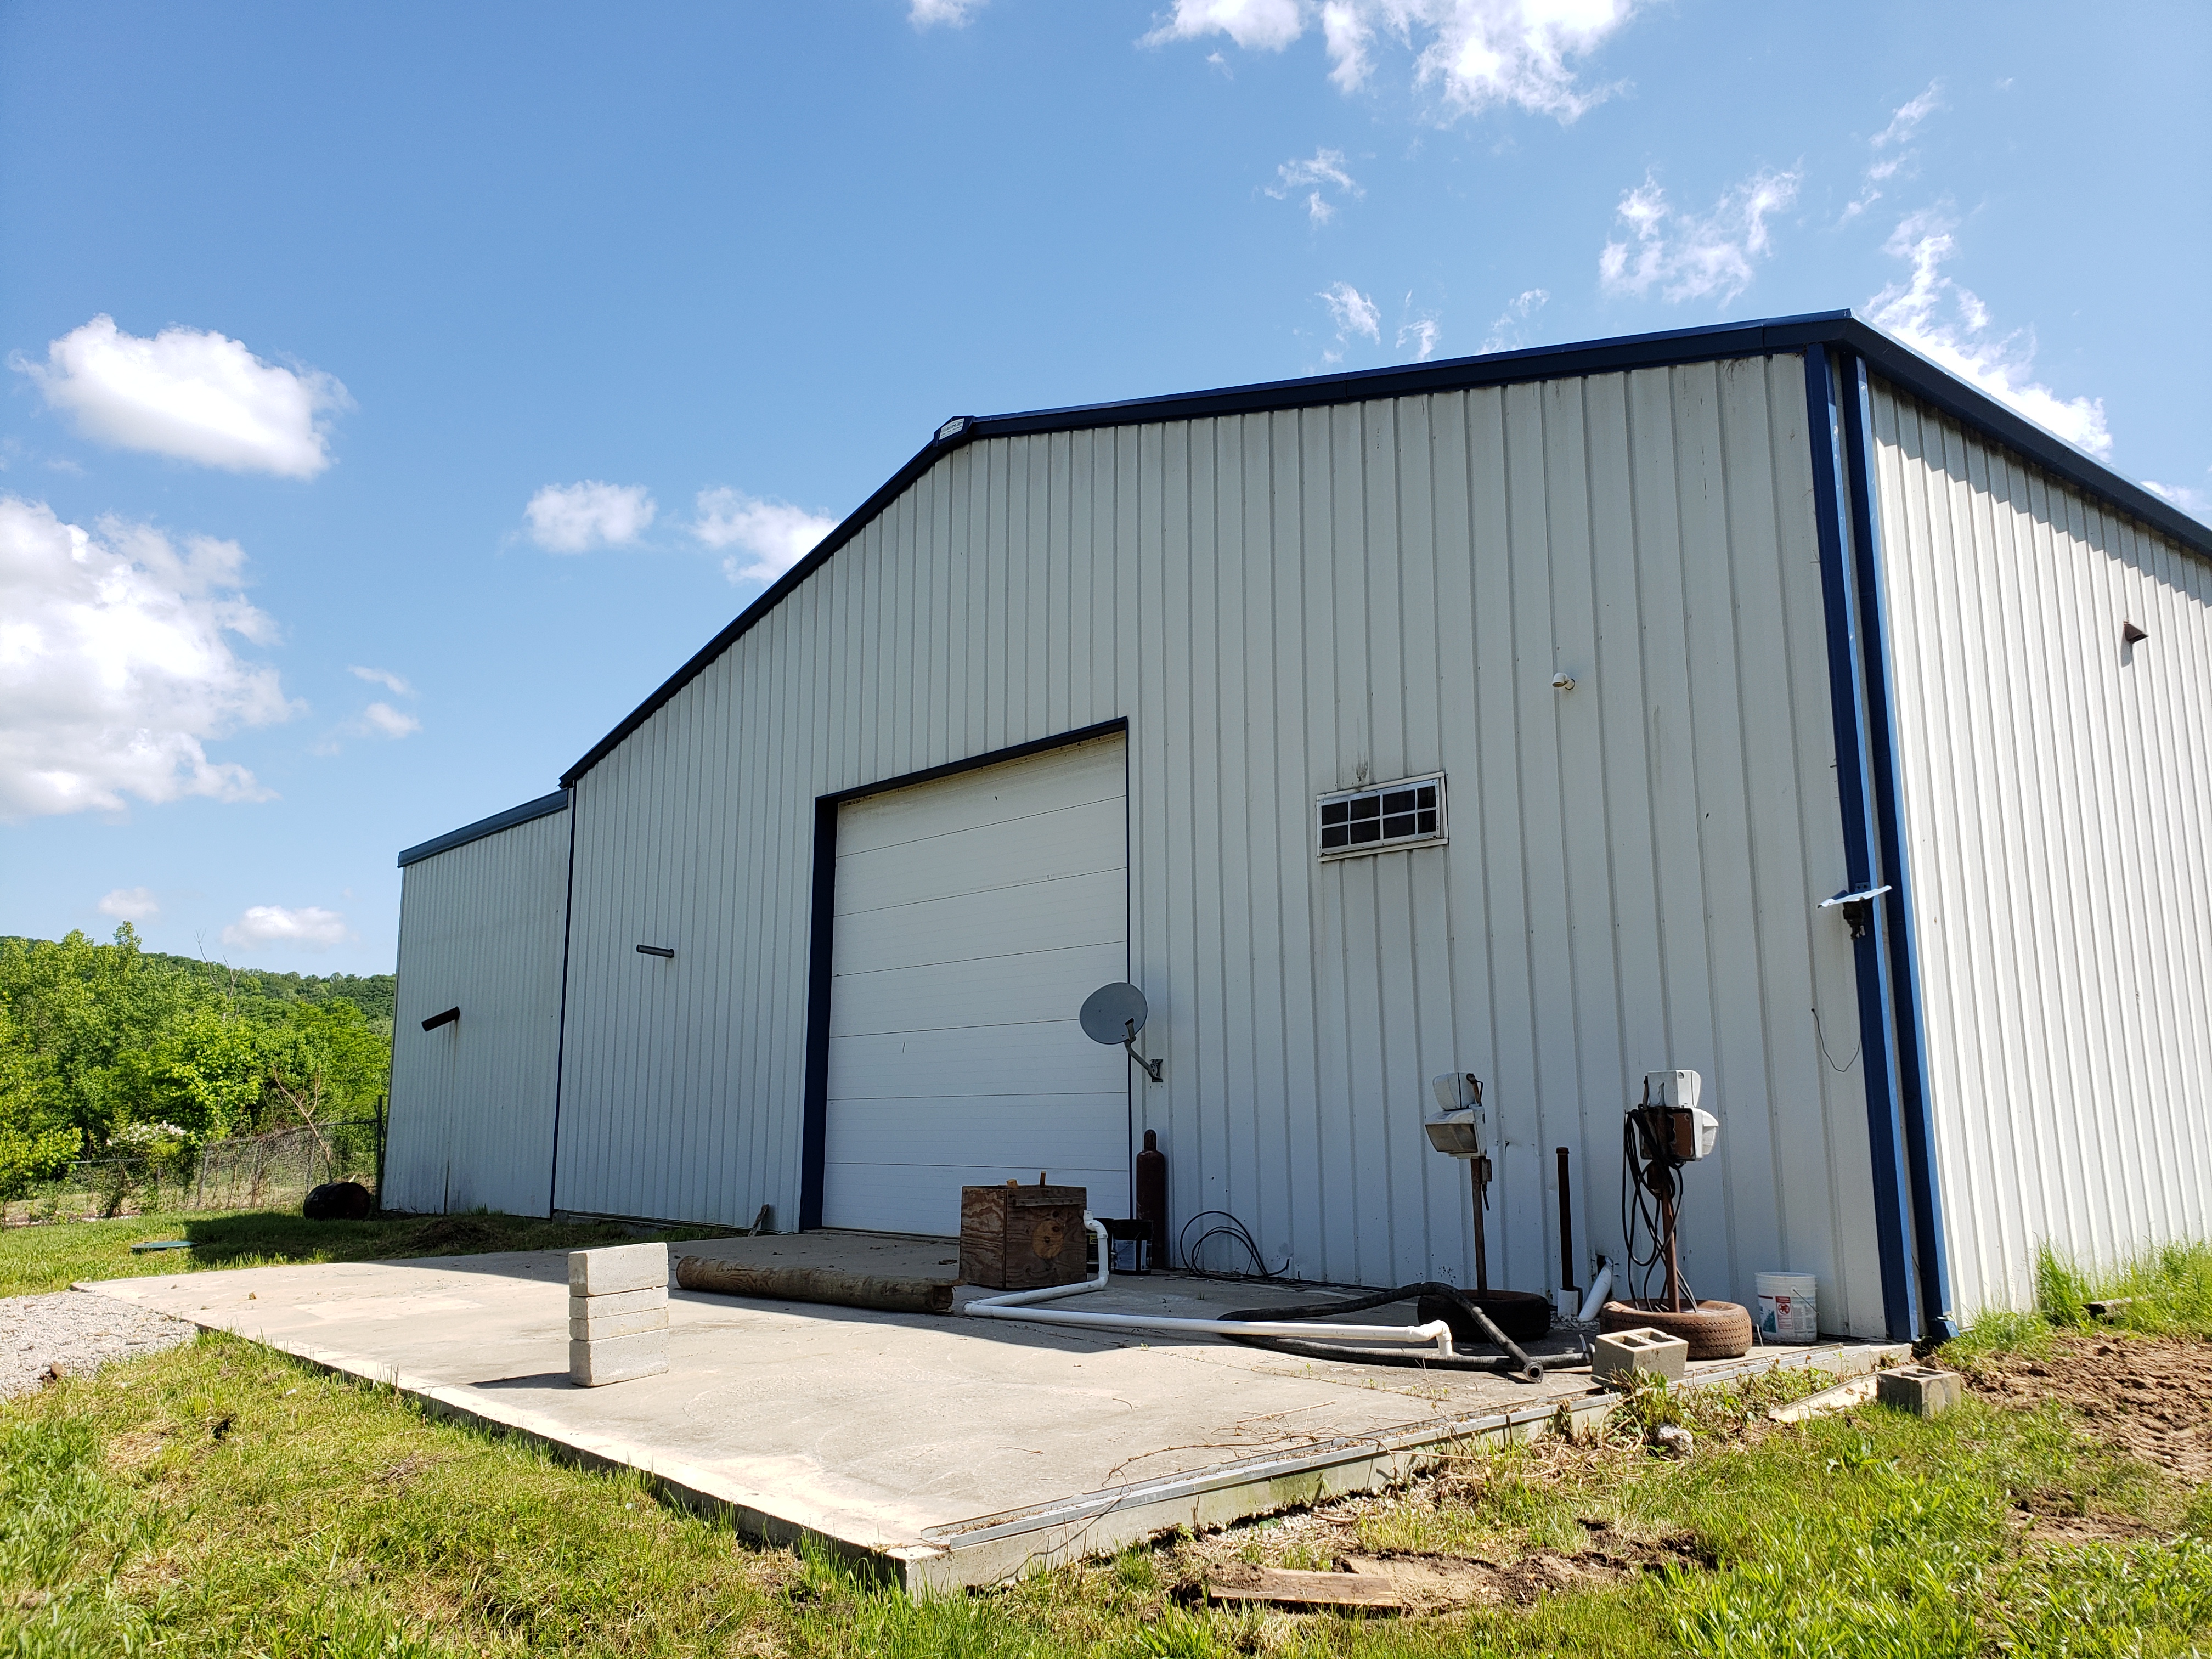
1894 361
544 806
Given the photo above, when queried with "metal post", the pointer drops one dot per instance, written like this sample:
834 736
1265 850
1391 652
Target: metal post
1478 1170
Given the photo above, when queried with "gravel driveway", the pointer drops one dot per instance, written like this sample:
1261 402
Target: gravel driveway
76 1331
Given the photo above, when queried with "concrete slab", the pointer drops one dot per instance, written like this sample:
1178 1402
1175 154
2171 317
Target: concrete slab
952 1451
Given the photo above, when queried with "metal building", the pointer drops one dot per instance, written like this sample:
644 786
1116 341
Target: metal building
1685 636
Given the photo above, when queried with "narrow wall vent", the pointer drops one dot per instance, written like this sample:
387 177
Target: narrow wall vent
1381 818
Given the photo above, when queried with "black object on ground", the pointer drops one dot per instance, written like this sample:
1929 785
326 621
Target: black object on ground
338 1201
1509 1359
1522 1315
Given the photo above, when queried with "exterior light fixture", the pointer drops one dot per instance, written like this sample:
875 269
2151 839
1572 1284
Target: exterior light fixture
655 951
451 1017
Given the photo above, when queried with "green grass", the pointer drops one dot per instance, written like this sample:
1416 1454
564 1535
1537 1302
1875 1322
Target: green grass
222 1499
51 1257
2167 1292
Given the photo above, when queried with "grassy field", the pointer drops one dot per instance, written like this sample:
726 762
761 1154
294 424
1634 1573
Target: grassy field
224 1499
53 1257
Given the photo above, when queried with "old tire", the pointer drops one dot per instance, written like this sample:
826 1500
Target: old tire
1714 1330
1522 1315
338 1201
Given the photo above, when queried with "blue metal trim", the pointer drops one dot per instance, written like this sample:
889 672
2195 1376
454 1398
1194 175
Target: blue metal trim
1808 333
560 1026
1895 911
1847 708
544 806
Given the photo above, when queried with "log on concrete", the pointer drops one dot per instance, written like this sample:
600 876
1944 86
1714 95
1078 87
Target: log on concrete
1280 1586
832 1286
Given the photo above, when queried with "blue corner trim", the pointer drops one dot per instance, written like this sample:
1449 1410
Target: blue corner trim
1894 927
1847 701
544 806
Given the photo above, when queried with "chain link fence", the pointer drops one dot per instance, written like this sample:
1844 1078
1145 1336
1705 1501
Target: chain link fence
263 1172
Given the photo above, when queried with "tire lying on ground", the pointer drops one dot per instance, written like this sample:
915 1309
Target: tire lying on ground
338 1201
1714 1330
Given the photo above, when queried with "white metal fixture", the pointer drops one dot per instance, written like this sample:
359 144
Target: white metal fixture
1381 818
1563 682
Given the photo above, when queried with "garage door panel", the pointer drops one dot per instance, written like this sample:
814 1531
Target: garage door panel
1042 1133
908 1199
975 913
1076 840
1007 990
1041 1058
1087 773
1041 916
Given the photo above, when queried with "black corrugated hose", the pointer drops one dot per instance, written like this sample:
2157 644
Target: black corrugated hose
1509 1360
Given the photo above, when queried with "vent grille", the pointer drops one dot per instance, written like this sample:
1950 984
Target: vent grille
1408 814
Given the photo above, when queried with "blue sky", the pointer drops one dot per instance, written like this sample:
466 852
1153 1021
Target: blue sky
394 397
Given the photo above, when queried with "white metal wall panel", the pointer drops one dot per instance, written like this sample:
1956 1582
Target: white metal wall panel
480 928
2056 790
1281 604
974 915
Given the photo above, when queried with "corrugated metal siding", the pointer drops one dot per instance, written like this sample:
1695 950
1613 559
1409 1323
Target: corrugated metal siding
480 926
2057 807
1281 604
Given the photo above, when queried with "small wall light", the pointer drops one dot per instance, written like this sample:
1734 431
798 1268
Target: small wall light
655 951
451 1017
1563 682
2131 635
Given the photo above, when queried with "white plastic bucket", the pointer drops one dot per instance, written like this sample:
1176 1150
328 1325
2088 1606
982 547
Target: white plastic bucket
1788 1308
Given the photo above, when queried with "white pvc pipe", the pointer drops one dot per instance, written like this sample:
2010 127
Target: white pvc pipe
1022 1304
1599 1288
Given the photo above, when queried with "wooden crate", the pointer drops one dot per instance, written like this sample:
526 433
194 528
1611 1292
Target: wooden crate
1020 1238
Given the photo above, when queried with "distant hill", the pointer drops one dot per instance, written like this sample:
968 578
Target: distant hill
373 993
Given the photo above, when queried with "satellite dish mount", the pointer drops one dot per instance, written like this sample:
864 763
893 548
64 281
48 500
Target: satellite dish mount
1115 1014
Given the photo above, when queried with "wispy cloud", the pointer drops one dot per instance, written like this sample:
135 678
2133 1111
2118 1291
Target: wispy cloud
2195 503
1353 313
578 517
949 13
308 928
118 666
1474 54
1893 148
383 676
1949 324
1422 333
1693 256
130 904
771 536
192 394
1323 170
1507 334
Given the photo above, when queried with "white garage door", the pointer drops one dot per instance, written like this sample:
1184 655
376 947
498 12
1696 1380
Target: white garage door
973 916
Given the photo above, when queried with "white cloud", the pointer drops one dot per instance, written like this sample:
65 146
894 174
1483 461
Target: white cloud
383 676
1908 117
574 518
953 14
776 534
130 904
1689 256
1422 332
197 396
1506 334
1903 122
384 720
1352 311
2196 503
1475 52
1950 325
116 665
1323 170
309 927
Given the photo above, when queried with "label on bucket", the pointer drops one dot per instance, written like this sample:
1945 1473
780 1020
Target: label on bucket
1783 1318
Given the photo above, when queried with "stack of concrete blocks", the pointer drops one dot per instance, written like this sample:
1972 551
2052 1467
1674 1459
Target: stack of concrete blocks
617 1314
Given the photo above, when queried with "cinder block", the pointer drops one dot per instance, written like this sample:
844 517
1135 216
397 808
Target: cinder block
596 1327
1624 1352
622 1302
618 1267
1920 1389
618 1359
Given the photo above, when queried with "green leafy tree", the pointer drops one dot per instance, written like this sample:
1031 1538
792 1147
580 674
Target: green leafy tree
36 1141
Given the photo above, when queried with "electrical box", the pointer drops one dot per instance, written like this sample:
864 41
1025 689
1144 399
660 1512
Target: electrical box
1686 1131
1462 1126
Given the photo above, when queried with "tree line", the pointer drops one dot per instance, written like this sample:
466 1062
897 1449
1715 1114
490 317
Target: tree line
107 1049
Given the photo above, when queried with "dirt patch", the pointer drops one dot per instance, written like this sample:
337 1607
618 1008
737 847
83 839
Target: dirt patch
455 1235
1447 1583
2152 1398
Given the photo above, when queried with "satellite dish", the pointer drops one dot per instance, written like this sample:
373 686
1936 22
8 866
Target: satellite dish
1114 1013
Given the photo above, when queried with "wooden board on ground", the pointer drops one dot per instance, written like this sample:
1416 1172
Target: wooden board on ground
1281 1587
